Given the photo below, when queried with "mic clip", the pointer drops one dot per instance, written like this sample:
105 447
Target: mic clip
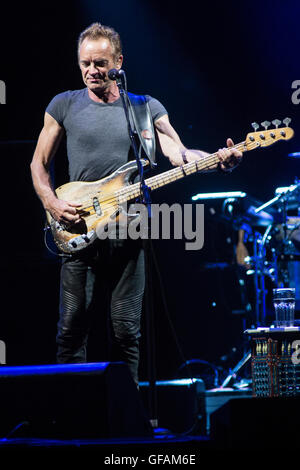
115 74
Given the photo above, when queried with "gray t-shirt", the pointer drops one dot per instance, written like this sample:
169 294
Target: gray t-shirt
97 134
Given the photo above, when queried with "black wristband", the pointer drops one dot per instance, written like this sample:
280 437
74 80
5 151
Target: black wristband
184 156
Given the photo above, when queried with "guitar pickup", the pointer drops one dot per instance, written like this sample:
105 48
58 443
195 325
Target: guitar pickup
96 205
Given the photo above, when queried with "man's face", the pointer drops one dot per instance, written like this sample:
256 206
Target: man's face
95 60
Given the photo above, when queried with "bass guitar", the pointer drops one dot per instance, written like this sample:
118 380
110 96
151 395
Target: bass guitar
102 201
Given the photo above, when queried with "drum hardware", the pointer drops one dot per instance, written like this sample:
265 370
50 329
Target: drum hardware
260 267
238 209
242 211
286 198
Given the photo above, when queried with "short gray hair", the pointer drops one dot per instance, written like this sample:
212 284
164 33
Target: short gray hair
96 31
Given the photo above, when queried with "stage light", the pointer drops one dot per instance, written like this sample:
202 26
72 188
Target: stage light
220 195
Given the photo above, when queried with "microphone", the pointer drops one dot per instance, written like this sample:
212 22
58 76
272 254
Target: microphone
114 74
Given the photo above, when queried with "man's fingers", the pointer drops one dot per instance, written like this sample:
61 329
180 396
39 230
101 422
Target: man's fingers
69 212
233 150
74 204
236 153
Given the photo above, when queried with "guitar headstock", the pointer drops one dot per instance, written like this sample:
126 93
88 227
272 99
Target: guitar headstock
267 137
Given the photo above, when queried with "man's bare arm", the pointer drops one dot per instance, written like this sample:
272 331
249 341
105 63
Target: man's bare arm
48 142
172 147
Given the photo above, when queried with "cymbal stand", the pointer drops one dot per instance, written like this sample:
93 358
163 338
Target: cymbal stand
262 269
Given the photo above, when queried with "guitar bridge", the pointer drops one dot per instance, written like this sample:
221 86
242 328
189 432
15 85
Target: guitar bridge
81 241
96 205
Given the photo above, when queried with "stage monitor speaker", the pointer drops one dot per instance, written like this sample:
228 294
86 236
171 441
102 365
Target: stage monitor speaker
94 400
180 405
257 424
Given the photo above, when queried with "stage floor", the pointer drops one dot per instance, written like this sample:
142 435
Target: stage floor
237 421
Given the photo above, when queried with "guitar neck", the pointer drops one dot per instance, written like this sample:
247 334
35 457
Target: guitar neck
204 164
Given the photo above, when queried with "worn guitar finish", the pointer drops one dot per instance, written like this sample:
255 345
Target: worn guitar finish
101 201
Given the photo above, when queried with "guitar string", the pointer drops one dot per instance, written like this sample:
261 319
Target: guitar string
182 170
134 188
124 192
111 199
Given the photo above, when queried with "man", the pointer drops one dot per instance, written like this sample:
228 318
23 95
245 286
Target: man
97 144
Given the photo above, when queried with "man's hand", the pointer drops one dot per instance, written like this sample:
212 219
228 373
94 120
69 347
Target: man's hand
229 157
64 212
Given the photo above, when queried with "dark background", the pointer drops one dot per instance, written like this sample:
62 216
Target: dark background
217 67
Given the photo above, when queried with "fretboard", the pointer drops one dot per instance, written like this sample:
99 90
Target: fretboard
204 164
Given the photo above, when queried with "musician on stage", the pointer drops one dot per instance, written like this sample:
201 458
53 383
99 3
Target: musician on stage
93 121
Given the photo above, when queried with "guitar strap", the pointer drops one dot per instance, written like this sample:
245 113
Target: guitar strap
143 125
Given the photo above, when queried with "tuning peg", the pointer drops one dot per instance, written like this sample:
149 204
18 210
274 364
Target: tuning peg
265 124
286 121
255 126
276 123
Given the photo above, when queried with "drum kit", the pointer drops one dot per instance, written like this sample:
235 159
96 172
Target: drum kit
270 235
267 251
268 246
273 229
275 238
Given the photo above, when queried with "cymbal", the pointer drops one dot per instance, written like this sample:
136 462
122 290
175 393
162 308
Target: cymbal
260 219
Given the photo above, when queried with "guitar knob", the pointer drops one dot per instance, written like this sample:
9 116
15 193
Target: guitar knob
276 123
286 122
255 126
265 124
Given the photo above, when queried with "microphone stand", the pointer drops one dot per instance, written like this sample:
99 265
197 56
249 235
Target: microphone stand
145 195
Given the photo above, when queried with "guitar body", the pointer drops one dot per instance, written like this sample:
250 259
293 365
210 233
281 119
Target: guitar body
100 206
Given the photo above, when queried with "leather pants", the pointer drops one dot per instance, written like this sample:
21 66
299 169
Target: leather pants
118 267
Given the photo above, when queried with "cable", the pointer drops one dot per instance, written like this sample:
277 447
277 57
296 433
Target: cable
60 255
